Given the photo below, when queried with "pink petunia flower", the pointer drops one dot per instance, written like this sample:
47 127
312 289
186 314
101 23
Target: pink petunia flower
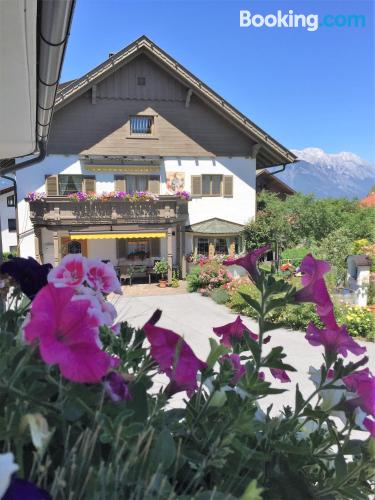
235 329
315 290
249 261
238 369
67 335
333 339
262 376
102 277
70 272
104 311
362 383
280 374
369 423
174 357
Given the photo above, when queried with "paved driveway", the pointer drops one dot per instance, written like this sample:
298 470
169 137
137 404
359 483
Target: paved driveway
193 317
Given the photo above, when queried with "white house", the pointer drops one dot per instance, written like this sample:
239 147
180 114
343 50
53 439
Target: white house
8 220
141 123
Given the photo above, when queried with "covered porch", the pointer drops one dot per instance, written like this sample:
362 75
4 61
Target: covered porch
132 251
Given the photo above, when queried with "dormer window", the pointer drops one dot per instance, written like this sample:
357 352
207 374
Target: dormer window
141 125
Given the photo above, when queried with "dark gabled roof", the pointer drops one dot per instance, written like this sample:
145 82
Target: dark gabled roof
265 173
9 189
216 226
271 152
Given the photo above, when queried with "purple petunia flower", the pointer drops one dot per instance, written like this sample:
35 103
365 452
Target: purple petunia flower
20 489
30 275
238 369
174 357
335 340
232 330
362 383
280 374
116 387
249 261
315 290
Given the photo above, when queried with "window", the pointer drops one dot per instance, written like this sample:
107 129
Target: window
74 247
221 246
12 226
132 183
141 125
69 184
202 246
11 201
141 81
138 249
211 185
13 249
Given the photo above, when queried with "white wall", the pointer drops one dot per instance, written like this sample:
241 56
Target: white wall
102 250
240 208
8 238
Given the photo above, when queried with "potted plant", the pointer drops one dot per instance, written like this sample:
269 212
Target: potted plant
161 268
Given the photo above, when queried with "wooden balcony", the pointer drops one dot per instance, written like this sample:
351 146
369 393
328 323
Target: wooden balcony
60 211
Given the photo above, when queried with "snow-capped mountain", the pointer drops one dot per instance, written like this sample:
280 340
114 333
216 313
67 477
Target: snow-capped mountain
330 175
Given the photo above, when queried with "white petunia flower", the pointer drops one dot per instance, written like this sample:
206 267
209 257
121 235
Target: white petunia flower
40 435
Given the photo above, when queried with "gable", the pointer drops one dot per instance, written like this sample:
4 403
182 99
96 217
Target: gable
268 151
97 123
158 84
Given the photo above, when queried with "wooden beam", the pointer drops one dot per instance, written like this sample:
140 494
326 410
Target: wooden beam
188 97
255 149
93 94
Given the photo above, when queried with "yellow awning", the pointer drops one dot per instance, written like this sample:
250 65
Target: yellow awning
111 236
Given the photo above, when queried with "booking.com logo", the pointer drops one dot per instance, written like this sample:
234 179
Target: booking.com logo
310 22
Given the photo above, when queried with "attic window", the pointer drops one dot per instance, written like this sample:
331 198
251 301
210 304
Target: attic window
141 80
141 125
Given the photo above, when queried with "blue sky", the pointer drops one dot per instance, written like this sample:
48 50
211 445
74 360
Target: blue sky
305 88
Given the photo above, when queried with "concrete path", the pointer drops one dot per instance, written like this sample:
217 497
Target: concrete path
193 317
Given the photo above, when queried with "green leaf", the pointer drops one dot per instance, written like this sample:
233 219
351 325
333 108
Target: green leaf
352 447
274 304
299 399
252 492
250 301
72 410
252 345
217 350
163 452
340 466
139 402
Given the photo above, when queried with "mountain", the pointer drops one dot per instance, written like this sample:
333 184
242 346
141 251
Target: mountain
329 175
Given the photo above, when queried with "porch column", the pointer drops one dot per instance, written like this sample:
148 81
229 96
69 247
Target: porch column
56 248
38 244
232 248
183 256
211 248
178 247
169 254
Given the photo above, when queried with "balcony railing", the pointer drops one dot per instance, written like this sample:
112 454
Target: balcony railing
59 210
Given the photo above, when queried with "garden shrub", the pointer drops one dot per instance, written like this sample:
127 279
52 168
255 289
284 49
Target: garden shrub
193 280
220 295
360 321
212 274
238 302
